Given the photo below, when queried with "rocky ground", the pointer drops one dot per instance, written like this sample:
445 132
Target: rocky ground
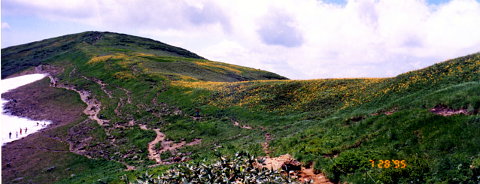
38 101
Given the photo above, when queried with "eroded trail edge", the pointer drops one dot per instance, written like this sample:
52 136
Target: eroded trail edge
166 145
93 105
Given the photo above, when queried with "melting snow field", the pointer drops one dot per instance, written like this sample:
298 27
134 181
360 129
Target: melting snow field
17 126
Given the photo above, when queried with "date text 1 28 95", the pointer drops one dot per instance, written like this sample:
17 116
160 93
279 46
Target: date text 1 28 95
389 163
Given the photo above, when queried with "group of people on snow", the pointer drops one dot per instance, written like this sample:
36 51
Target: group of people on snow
23 130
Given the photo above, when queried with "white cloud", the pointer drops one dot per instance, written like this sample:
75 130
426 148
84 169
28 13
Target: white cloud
5 25
298 39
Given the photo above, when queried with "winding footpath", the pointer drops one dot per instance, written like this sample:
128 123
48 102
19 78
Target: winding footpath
102 85
166 145
92 111
93 105
152 154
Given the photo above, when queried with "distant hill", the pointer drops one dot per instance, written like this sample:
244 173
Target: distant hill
154 106
163 58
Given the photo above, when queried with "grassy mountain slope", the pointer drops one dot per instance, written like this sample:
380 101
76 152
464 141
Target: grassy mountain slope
45 157
167 59
336 124
341 124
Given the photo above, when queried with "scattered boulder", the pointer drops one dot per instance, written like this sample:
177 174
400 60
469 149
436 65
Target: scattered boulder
50 169
292 165
17 180
177 159
355 119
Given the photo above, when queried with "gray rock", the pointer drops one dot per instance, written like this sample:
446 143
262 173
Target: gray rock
17 179
50 169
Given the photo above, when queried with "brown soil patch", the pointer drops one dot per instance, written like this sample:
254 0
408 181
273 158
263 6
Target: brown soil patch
386 112
265 145
131 123
307 175
166 145
445 111
275 163
294 168
237 124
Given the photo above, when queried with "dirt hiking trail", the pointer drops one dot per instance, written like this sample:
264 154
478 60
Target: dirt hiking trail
446 111
92 111
93 105
166 145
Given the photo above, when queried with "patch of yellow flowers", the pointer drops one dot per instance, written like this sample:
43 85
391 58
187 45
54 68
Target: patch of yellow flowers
299 93
218 67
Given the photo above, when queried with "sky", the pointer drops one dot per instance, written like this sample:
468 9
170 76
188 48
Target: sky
299 39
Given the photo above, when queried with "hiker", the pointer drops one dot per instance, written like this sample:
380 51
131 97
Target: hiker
20 131
9 135
38 124
25 130
16 133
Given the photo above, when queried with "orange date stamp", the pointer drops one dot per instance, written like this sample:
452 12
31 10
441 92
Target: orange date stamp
384 164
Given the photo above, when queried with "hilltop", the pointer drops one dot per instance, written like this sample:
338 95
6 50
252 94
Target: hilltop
161 58
153 106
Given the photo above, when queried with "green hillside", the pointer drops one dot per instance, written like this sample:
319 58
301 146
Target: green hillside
338 125
141 53
341 124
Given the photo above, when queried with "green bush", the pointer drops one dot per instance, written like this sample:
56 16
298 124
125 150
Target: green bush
237 169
